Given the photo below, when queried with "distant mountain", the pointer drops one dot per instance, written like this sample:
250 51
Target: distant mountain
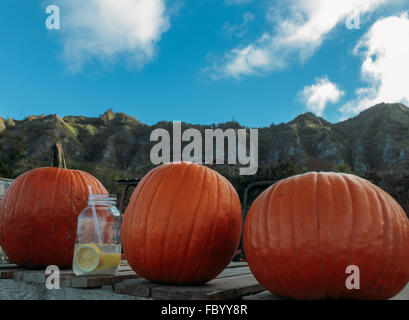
117 145
378 139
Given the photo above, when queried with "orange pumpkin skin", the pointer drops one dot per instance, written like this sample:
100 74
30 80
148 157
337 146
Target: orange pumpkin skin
38 215
302 233
182 225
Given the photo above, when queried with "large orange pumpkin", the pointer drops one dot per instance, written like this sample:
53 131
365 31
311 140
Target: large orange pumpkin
303 232
182 225
38 215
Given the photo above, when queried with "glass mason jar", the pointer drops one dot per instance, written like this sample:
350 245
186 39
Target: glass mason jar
98 241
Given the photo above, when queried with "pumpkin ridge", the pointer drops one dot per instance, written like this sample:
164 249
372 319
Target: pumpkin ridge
293 198
233 195
256 239
388 253
386 224
386 247
192 228
345 179
396 223
213 228
317 211
70 174
89 183
12 215
371 196
76 176
331 178
162 179
133 203
72 196
328 292
58 176
268 229
252 240
236 204
261 238
81 180
403 217
405 233
231 198
4 215
141 186
171 208
286 289
34 207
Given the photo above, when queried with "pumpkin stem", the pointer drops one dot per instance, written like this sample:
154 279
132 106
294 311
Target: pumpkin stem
58 159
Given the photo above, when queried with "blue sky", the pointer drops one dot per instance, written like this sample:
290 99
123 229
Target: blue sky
255 61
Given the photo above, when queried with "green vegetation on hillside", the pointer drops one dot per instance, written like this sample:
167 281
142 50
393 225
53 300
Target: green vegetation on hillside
374 145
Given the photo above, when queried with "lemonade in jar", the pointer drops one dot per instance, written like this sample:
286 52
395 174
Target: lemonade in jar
97 248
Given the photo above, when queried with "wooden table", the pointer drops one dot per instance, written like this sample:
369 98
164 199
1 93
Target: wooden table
234 282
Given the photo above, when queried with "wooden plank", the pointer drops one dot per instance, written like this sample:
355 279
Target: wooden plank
229 287
33 277
232 272
217 289
22 274
264 295
124 268
8 266
8 273
69 279
39 276
235 281
136 287
100 281
237 264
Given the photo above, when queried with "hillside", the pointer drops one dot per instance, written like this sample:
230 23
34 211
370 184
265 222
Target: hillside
116 145
377 139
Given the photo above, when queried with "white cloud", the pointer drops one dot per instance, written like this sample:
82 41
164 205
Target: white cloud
106 30
317 96
298 34
248 61
238 30
385 67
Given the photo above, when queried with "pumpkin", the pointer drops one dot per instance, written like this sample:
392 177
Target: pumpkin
182 225
38 214
303 232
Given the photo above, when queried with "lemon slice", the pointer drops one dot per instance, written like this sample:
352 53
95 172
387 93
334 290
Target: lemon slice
93 258
88 257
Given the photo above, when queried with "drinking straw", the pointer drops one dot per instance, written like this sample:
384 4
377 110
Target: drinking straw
94 212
